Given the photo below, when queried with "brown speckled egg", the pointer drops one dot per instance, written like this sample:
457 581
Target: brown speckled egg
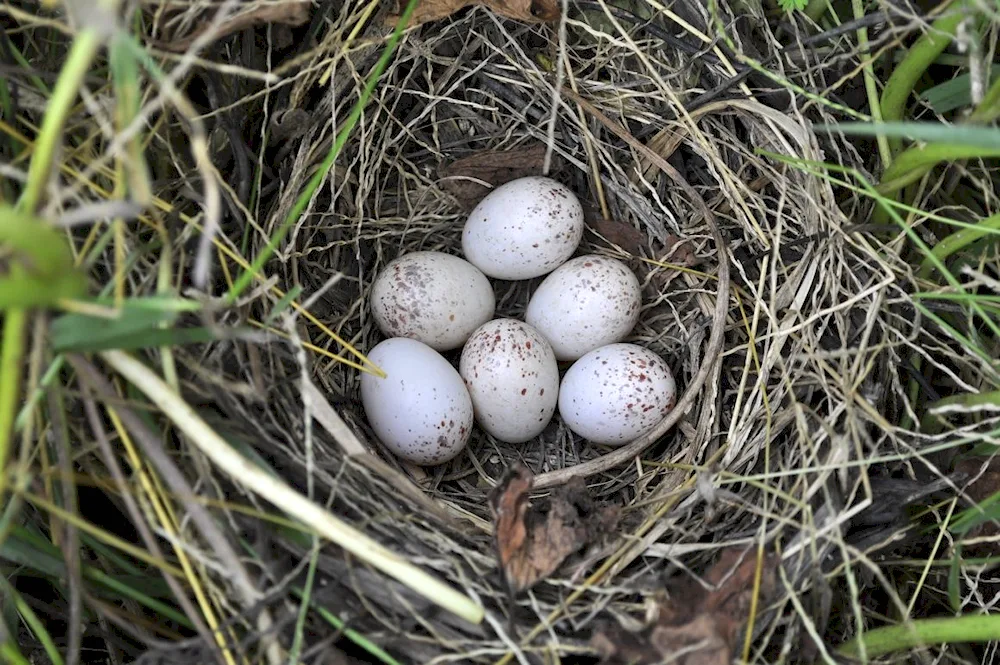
421 410
523 229
586 303
432 297
616 393
512 376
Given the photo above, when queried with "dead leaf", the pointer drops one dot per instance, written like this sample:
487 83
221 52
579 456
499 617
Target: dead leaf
694 626
533 540
676 252
493 167
622 234
529 11
295 12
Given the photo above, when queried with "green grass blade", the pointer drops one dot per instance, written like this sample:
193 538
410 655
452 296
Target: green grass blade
76 64
140 324
11 352
9 653
924 632
353 635
144 340
282 305
985 138
33 623
125 78
954 581
300 621
24 549
123 589
953 94
957 241
912 164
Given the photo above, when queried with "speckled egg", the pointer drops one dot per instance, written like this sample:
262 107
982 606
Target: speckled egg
512 376
586 303
436 298
523 229
616 393
421 411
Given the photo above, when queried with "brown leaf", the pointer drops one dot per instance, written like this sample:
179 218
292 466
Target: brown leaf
533 540
676 252
295 12
493 167
529 11
626 236
695 626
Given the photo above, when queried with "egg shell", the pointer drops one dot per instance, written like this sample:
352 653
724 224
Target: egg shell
432 297
513 378
586 303
421 411
523 229
616 393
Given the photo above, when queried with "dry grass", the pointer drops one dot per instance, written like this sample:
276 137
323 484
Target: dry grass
802 417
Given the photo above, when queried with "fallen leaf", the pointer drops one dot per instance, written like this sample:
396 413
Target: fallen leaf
529 11
676 252
532 541
622 234
287 13
464 178
694 626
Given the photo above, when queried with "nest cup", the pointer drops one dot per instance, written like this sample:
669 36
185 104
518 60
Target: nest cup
676 201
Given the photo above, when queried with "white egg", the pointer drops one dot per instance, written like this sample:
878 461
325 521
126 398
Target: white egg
512 376
616 393
421 411
523 229
586 303
436 298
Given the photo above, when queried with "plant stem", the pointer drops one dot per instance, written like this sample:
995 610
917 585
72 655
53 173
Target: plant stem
10 654
956 241
917 160
10 381
78 60
912 164
906 74
871 85
816 8
880 641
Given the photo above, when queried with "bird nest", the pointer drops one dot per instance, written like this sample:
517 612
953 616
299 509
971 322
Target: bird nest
686 196
780 323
